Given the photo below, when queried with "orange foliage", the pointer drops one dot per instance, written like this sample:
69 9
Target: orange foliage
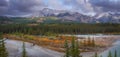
57 42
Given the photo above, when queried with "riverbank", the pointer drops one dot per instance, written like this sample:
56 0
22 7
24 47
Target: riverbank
14 49
105 42
115 48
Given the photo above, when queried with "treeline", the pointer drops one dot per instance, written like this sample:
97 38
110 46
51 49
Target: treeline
65 28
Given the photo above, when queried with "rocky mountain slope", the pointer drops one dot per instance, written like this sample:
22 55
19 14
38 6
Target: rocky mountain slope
68 16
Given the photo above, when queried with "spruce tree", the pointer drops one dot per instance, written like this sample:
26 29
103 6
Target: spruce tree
115 55
3 52
67 49
77 52
73 47
73 50
24 50
93 42
101 56
89 43
110 54
96 55
85 43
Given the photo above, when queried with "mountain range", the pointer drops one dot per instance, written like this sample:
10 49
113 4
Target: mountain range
68 16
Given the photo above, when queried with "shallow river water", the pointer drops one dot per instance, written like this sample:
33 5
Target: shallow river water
116 46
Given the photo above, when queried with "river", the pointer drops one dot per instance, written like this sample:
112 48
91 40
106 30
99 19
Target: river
116 46
14 49
93 35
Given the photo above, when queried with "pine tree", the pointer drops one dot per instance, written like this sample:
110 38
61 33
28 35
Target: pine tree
101 56
115 55
96 55
93 42
110 54
84 43
24 51
73 47
67 49
89 43
3 52
77 52
72 51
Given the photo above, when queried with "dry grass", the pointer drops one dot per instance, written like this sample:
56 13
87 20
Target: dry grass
57 43
53 44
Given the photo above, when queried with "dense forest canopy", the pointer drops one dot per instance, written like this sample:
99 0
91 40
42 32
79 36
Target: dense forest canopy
61 28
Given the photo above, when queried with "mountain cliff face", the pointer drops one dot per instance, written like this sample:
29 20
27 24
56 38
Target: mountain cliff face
66 15
108 18
50 12
75 17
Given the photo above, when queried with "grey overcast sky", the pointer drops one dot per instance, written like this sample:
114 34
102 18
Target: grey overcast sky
27 7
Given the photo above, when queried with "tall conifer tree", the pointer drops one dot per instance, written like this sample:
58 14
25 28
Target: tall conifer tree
24 50
3 52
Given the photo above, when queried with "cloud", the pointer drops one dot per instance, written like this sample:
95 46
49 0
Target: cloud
106 5
82 6
3 6
27 7
3 3
21 7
